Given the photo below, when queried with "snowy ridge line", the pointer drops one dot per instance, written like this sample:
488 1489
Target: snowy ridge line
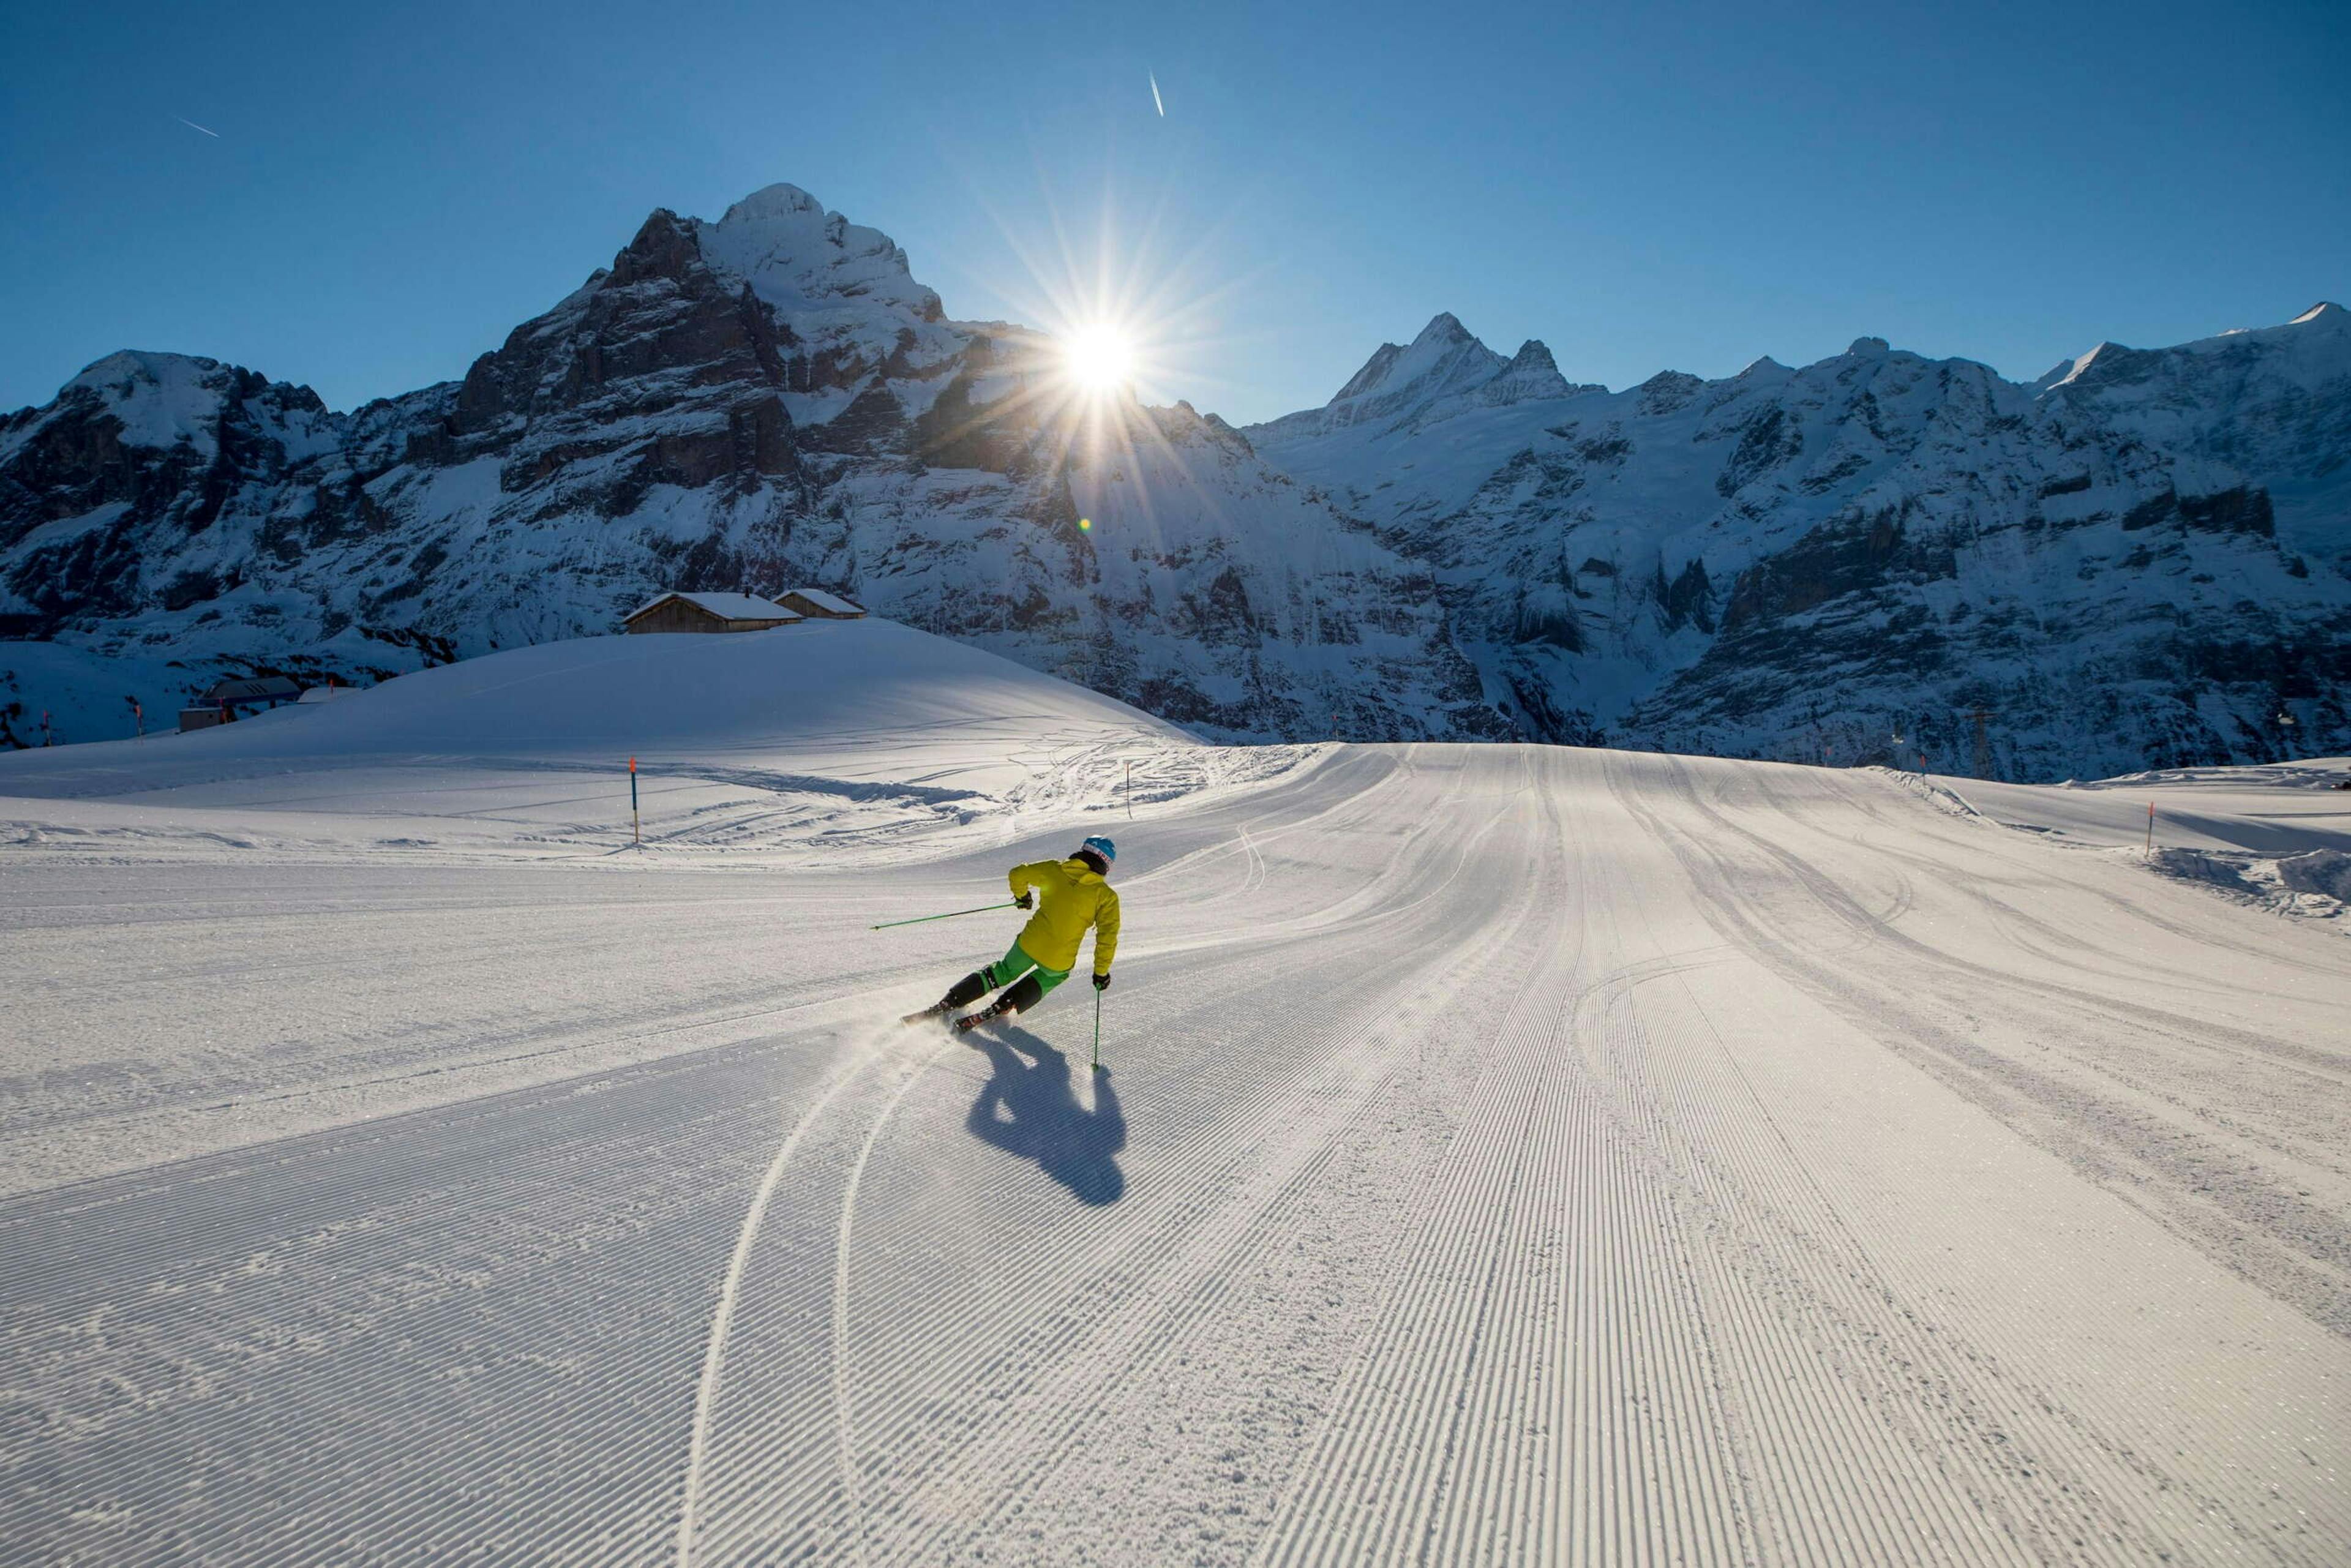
2100 1468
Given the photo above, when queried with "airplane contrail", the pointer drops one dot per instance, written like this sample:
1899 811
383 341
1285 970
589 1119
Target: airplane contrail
1154 94
215 135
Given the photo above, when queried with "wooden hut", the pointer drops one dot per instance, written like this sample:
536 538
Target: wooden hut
819 605
220 701
710 613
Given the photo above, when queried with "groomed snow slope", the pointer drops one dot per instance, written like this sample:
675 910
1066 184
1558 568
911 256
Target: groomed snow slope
1511 1155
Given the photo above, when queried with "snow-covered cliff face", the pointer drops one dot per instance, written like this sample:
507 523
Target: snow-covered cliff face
2141 560
2134 561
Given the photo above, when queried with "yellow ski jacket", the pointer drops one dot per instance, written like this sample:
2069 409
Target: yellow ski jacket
1074 897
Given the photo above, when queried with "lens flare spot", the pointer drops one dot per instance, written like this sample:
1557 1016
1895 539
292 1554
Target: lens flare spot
1087 524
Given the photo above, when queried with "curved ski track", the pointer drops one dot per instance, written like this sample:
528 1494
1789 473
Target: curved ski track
1508 1155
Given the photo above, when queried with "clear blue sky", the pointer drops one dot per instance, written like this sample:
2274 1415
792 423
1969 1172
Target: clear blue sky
1642 186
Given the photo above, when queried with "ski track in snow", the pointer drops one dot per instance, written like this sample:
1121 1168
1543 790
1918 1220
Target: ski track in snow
1509 1154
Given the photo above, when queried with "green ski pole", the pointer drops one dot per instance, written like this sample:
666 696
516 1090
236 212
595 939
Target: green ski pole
950 915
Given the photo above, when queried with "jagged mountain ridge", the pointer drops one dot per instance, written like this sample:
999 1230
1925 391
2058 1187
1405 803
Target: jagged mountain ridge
1459 546
2140 560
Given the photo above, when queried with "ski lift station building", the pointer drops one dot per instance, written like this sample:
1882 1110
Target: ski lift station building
710 613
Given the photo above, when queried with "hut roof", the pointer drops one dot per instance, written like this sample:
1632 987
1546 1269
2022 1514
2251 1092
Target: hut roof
252 689
831 603
725 606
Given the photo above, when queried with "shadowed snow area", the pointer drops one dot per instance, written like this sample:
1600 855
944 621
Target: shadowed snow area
1509 1154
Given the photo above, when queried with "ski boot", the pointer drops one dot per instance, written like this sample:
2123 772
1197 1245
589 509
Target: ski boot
970 988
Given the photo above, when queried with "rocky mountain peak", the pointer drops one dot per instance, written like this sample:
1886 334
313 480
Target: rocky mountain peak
798 256
1374 372
664 247
1444 329
1532 373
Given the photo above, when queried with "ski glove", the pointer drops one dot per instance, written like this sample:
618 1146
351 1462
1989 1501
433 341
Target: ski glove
1101 982
1026 901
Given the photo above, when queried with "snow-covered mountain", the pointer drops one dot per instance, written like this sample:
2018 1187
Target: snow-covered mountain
2134 561
764 401
2142 559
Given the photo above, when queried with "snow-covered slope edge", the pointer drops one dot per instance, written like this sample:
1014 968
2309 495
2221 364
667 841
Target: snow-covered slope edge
832 740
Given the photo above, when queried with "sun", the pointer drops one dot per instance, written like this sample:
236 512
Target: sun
1099 357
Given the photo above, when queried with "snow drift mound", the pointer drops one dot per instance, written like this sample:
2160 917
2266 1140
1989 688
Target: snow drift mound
823 730
764 698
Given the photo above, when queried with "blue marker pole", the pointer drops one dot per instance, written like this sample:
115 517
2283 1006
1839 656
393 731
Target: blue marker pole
637 823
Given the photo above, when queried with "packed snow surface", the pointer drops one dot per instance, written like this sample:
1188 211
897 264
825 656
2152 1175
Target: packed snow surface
1508 1154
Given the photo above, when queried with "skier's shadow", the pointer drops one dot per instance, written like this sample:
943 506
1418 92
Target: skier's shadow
1028 1109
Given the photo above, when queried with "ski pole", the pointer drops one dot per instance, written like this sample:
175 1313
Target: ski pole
1097 1031
950 915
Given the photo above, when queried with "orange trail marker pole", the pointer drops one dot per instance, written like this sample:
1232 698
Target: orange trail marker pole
636 822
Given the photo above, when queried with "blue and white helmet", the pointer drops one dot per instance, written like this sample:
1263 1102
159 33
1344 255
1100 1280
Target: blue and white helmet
1102 847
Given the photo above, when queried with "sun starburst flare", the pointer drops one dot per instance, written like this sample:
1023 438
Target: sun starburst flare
1123 318
1099 357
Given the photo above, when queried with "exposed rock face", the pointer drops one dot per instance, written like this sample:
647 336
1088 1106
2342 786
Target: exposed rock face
2139 560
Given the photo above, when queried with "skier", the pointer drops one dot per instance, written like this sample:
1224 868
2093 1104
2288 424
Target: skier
1076 897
